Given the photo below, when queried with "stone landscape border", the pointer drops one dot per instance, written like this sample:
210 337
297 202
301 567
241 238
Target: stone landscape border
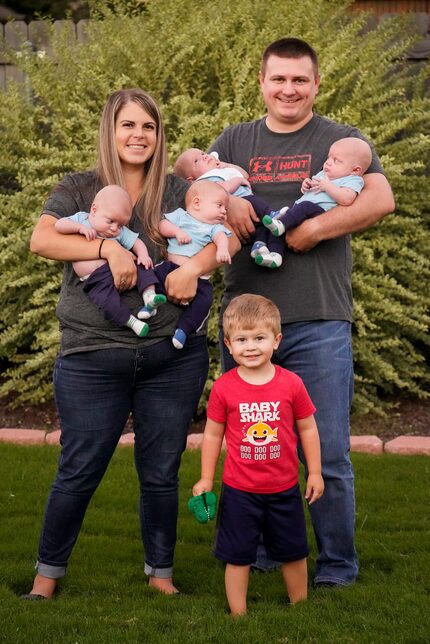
368 444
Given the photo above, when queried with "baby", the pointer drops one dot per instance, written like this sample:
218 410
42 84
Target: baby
109 215
339 183
195 164
187 232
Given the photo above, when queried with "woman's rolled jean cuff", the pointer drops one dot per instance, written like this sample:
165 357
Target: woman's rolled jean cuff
161 573
52 572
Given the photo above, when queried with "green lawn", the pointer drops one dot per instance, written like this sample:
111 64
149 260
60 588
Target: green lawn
105 597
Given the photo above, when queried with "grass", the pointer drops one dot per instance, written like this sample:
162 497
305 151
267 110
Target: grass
105 599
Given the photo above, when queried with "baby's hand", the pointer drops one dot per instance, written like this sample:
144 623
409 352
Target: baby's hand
145 261
204 485
306 185
314 488
320 185
223 257
89 233
183 238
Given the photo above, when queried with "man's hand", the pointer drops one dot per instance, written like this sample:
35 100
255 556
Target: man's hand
304 237
241 217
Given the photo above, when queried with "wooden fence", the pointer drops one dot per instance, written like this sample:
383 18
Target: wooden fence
35 34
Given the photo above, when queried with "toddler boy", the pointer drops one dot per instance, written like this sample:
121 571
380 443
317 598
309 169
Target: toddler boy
257 406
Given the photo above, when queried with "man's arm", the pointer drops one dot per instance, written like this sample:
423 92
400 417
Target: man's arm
241 217
373 203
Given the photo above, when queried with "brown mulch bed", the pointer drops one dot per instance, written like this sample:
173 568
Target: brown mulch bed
411 417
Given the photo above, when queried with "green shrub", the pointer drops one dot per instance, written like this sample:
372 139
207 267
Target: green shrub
200 61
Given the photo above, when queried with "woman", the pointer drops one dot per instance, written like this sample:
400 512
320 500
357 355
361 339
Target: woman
104 372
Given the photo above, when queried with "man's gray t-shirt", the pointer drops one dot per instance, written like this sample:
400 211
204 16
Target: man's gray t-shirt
308 286
82 324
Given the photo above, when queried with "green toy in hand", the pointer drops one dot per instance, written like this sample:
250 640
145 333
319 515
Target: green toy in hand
203 506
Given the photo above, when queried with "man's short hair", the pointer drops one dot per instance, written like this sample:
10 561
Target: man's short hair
290 48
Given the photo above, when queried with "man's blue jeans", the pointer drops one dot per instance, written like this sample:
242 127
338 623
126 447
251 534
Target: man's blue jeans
95 393
320 353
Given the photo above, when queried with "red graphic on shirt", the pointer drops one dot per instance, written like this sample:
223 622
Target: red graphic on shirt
279 169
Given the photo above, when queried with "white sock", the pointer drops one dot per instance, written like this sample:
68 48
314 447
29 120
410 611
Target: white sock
272 260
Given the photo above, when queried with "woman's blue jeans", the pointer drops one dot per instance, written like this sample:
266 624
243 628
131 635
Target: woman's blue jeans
320 353
95 392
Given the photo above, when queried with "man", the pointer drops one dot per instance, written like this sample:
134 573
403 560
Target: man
313 287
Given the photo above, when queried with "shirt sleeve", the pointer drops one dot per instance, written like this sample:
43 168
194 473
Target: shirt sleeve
78 217
175 216
303 406
219 228
127 238
354 182
74 193
216 409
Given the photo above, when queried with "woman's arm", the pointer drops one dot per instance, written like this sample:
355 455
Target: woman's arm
47 242
181 284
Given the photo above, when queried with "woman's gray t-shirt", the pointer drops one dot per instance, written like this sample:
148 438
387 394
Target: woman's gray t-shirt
83 327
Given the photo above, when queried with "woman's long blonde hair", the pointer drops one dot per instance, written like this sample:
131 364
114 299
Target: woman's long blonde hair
149 204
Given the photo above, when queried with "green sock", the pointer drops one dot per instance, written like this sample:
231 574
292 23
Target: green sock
152 300
140 328
276 227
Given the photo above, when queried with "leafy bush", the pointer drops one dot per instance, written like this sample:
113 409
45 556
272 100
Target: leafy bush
201 62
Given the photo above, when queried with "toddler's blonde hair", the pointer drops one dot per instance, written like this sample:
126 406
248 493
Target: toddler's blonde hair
247 310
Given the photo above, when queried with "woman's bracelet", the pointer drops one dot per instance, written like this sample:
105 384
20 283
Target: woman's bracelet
100 248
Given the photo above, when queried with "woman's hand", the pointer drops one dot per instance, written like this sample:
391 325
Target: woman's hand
181 284
121 263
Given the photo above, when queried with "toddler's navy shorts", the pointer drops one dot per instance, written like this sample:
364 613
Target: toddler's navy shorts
244 516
